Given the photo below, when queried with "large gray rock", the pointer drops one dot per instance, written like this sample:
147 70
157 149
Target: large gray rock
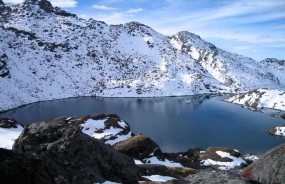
73 157
270 168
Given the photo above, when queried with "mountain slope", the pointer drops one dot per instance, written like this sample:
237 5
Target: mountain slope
239 72
48 53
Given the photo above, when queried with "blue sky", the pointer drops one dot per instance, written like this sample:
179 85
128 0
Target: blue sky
253 28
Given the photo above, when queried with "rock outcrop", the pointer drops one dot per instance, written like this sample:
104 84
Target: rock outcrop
270 168
211 153
73 157
278 131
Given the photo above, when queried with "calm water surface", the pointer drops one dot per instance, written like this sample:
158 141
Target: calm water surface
175 123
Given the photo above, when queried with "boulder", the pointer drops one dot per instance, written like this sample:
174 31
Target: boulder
138 147
211 153
282 116
73 157
270 168
8 123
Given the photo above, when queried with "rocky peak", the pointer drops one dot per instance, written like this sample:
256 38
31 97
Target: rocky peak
188 38
46 6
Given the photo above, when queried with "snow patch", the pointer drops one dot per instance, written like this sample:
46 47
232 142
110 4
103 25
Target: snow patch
97 129
8 136
159 178
165 162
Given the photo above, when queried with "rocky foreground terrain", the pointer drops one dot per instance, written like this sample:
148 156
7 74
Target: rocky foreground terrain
102 149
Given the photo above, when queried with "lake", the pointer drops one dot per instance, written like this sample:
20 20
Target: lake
175 123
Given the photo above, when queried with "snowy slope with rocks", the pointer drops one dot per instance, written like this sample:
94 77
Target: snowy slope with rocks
260 98
277 67
47 53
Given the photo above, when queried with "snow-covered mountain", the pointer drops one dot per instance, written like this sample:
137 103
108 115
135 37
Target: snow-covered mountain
48 53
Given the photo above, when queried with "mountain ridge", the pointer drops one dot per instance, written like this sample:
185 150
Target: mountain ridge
63 56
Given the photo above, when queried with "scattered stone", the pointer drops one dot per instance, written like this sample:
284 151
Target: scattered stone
278 131
138 147
66 150
270 168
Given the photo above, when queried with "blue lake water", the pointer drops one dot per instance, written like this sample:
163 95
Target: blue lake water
175 123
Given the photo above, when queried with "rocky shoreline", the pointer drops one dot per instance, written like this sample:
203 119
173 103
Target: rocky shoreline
102 149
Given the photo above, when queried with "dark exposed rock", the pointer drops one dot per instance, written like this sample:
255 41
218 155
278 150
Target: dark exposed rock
211 154
270 168
4 72
1 2
20 168
282 116
72 156
8 123
212 176
138 147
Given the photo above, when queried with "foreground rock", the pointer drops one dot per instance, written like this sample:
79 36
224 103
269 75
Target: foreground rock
73 157
270 168
278 131
212 176
20 168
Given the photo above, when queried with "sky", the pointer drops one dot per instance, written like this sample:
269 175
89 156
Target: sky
253 28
